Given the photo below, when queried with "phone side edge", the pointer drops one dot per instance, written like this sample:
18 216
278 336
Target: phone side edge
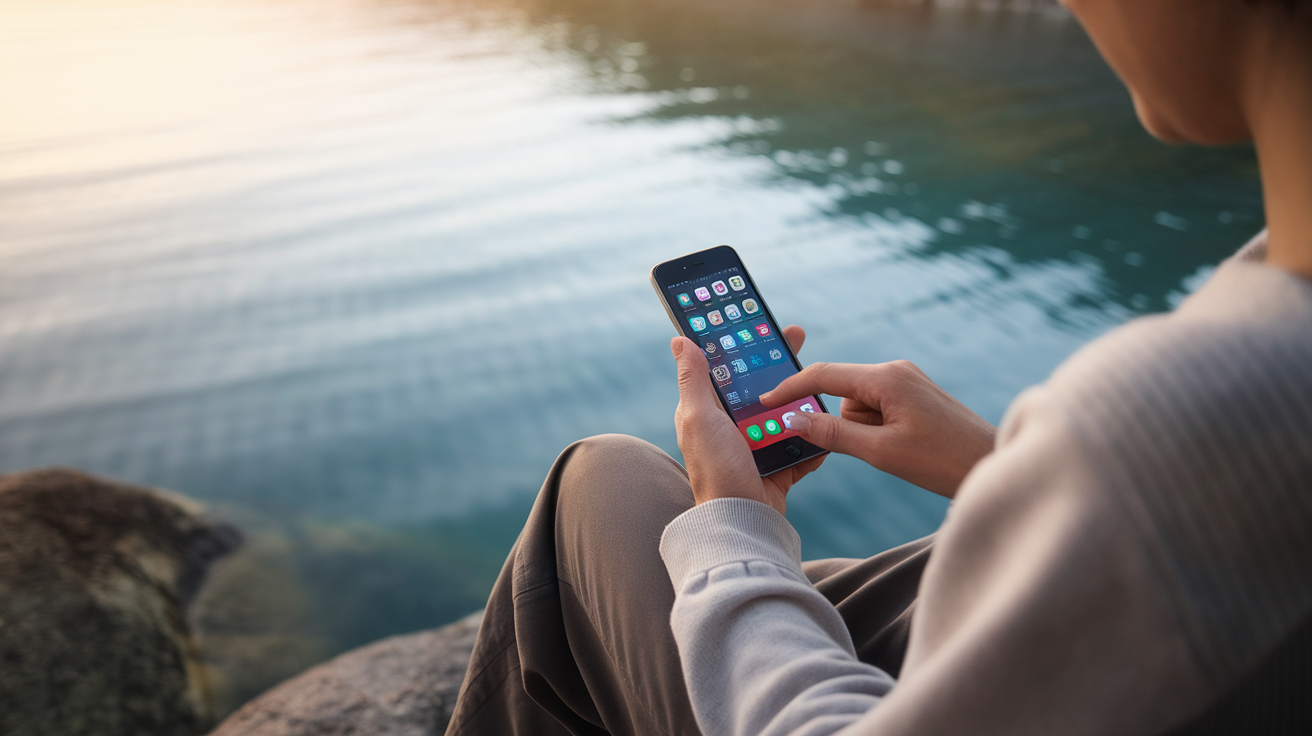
669 311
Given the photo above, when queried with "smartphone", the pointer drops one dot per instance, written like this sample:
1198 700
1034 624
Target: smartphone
712 300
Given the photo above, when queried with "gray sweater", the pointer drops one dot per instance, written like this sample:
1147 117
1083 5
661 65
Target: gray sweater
1139 539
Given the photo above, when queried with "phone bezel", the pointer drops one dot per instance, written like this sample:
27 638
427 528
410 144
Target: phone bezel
771 458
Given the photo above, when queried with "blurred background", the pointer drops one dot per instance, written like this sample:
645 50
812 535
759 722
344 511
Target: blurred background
353 272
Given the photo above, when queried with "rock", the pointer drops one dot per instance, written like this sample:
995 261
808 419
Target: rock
400 686
95 580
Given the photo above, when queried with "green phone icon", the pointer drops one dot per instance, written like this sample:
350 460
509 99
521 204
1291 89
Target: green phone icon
755 433
773 427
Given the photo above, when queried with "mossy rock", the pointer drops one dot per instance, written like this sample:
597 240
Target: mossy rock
95 581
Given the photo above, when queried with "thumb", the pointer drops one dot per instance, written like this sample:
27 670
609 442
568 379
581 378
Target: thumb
695 390
835 433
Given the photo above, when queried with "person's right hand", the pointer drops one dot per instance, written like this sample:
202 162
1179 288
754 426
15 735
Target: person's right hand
894 418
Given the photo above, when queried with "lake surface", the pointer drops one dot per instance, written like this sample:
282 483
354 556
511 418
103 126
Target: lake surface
354 272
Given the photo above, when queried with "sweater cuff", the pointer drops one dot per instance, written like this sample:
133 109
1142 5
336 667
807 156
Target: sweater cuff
725 531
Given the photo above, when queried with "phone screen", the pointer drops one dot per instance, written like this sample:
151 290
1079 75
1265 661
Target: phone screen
722 312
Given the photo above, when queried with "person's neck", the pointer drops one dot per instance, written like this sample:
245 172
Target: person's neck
1282 132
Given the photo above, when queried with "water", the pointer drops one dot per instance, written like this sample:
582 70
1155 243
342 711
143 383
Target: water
354 272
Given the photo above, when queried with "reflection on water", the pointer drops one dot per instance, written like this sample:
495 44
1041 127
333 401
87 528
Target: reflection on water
356 271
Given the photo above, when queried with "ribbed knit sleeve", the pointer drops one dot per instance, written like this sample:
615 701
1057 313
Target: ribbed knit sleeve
765 651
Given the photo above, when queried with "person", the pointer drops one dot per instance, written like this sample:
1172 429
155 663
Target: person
1129 553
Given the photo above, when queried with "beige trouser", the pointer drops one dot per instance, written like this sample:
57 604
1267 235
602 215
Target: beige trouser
576 638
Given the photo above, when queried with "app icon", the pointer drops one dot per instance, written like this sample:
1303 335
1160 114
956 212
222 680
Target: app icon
732 396
762 329
757 361
711 347
698 324
715 318
719 288
773 427
728 343
685 300
721 372
788 418
745 335
776 354
737 283
808 408
731 311
702 293
750 306
739 366
755 433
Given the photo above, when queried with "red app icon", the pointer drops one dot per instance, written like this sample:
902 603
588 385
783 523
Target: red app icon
763 330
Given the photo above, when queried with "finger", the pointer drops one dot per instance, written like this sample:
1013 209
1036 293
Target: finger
837 434
795 336
696 394
835 379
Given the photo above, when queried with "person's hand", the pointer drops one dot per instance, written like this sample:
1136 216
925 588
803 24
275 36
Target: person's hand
894 418
716 454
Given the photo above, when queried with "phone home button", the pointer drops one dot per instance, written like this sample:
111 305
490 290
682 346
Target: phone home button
792 450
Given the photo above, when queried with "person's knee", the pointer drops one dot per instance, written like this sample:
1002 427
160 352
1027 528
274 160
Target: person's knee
611 452
619 461
621 481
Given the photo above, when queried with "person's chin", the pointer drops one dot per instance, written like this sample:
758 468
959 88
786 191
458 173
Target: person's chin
1209 133
1156 125
1166 133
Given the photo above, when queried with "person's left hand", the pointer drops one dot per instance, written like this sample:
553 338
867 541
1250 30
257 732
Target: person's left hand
716 454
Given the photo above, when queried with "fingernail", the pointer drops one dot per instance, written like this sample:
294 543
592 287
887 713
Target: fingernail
800 423
676 347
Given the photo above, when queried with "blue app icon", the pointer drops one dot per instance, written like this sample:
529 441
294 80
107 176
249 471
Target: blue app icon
757 361
728 343
739 366
698 324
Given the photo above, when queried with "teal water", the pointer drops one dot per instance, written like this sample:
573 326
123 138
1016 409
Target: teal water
354 272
